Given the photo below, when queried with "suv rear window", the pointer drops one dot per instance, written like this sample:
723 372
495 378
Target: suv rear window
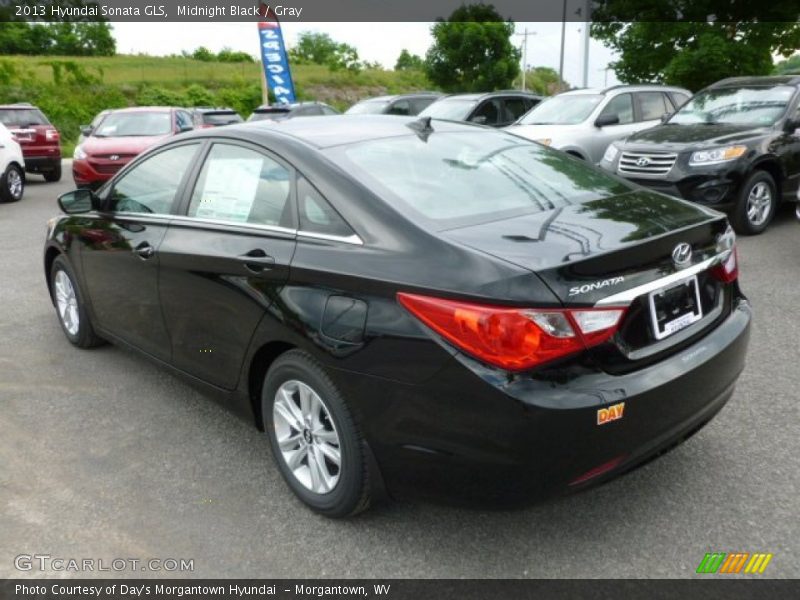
221 118
22 117
458 178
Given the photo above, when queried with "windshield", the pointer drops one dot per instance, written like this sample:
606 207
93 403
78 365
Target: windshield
134 124
569 109
462 177
373 107
455 109
754 105
22 117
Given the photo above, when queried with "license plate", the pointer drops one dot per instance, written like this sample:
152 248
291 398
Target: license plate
676 307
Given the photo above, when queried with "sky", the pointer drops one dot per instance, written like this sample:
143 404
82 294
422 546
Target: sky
380 42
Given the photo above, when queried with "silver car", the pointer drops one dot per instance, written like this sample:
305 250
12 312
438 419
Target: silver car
584 122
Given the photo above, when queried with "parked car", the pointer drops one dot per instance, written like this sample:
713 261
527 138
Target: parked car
120 136
345 284
40 141
12 167
402 104
86 130
214 117
281 112
584 122
735 147
496 109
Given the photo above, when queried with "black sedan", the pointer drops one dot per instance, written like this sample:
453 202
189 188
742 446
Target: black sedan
411 306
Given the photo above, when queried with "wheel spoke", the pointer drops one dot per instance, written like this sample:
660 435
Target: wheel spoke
305 401
295 458
290 442
283 408
332 453
317 480
325 435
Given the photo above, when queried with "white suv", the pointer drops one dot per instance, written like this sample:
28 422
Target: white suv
12 167
584 122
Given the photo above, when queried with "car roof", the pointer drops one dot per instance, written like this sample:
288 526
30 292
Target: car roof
134 109
390 97
630 87
338 130
483 95
287 107
211 109
19 105
766 80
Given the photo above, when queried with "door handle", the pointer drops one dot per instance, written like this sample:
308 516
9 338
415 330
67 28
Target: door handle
257 261
144 250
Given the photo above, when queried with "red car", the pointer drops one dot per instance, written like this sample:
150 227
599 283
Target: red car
39 140
120 136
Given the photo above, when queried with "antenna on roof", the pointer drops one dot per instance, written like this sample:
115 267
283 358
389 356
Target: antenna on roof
422 127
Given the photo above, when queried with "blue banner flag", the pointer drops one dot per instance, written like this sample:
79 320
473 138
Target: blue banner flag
276 62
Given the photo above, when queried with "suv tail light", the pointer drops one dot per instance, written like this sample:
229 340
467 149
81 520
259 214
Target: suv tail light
728 270
52 135
514 339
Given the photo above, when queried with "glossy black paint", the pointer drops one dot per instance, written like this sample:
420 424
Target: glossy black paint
215 303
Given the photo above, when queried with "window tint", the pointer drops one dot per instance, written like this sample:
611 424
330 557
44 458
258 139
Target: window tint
489 110
150 186
401 107
652 105
21 117
622 106
420 104
316 215
242 186
515 107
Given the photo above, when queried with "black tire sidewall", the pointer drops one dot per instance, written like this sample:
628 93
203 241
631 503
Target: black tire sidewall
85 333
349 491
740 220
54 175
5 194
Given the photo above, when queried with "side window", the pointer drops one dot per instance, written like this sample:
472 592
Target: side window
515 107
488 110
622 106
316 215
241 185
151 186
401 107
184 120
420 104
652 105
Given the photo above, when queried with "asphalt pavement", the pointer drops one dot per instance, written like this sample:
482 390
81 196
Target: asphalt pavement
104 456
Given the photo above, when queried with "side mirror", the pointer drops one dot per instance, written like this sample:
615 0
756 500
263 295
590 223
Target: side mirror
604 120
78 201
478 120
791 125
86 130
665 117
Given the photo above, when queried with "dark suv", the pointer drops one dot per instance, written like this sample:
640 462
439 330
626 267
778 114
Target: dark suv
39 140
735 146
403 104
497 109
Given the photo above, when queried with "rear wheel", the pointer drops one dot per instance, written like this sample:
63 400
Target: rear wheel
756 204
54 175
70 308
315 441
12 184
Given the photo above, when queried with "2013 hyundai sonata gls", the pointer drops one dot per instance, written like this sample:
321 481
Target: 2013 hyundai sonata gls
411 305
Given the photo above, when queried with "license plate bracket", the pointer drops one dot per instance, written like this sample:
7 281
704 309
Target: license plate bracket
675 307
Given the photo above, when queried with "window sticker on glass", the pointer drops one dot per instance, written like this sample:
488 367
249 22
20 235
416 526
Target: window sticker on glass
229 189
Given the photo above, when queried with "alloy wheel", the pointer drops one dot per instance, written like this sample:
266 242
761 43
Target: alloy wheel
14 182
307 437
759 204
67 303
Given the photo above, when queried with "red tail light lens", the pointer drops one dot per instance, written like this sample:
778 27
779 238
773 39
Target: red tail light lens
51 135
728 270
513 338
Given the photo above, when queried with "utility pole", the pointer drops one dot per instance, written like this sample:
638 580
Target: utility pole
605 77
563 34
524 37
586 26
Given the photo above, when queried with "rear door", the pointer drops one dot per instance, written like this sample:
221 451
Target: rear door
651 107
225 260
622 106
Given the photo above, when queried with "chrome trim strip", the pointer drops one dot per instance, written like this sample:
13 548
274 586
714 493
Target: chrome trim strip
350 239
628 296
256 226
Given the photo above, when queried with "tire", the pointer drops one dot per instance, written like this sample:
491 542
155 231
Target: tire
70 308
756 204
54 175
328 430
12 184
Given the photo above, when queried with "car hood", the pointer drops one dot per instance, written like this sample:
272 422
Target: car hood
120 145
679 137
540 132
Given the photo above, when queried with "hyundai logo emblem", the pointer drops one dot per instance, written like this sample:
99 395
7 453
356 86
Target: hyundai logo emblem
682 254
643 162
114 157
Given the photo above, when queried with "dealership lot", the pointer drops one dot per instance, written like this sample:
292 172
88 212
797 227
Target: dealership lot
105 456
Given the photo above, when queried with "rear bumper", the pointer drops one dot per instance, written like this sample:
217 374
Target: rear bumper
470 438
41 164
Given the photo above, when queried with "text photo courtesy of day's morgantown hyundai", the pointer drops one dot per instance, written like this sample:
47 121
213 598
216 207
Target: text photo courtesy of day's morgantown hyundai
460 300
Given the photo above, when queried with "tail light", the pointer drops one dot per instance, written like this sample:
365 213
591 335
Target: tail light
728 270
514 338
52 135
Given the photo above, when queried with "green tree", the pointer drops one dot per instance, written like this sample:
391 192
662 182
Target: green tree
321 49
233 56
542 80
406 61
697 50
67 39
472 51
790 66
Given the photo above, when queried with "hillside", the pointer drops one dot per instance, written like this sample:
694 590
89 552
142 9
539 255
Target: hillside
71 90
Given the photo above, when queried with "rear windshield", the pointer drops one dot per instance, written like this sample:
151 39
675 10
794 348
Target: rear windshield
273 114
455 109
372 107
221 118
460 178
134 124
22 117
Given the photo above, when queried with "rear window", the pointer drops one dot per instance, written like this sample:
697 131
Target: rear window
221 118
273 114
371 107
22 117
460 178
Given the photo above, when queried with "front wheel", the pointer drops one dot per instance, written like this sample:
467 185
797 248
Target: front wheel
12 184
70 308
755 207
315 441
